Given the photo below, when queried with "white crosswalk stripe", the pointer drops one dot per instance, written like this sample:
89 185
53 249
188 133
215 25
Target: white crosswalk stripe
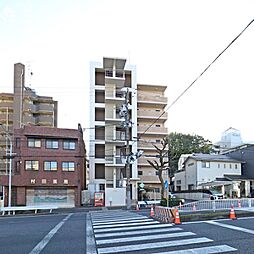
132 233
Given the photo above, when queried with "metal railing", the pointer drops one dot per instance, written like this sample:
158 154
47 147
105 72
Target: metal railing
219 204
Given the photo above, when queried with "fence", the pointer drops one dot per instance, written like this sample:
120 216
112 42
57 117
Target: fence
220 204
164 214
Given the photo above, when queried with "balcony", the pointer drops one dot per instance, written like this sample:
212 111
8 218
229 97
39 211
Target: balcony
115 77
152 130
112 96
152 114
115 161
116 137
150 99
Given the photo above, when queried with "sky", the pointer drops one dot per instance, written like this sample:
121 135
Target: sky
170 42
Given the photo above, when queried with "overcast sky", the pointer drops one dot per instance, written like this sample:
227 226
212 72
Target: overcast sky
170 42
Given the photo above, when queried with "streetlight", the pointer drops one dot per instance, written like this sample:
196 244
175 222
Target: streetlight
10 164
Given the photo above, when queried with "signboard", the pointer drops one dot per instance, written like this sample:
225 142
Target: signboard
141 186
166 184
99 199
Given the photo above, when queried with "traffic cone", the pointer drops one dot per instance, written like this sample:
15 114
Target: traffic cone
232 213
177 218
239 204
152 212
137 208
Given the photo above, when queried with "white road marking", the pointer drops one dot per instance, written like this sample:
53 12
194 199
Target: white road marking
245 230
112 219
40 246
128 224
132 228
90 241
143 238
203 250
146 246
131 233
122 221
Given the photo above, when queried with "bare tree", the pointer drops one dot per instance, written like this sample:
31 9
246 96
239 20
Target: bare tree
161 164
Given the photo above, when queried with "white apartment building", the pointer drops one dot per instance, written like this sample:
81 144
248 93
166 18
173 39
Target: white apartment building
109 82
107 173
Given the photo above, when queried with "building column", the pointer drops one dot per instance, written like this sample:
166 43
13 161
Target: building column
247 188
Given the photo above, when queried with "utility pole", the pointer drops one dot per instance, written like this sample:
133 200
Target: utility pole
130 156
124 113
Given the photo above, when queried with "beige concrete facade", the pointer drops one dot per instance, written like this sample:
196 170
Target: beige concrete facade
151 119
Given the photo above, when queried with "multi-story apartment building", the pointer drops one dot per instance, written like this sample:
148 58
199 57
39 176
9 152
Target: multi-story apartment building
23 107
108 140
48 167
151 119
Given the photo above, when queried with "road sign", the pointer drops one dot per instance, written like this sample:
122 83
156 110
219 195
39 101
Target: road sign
166 184
141 186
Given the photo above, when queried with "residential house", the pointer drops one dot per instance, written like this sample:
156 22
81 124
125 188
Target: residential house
210 170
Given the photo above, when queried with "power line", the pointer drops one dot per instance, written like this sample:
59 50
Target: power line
197 78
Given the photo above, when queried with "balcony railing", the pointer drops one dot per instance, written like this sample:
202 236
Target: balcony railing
152 99
115 160
153 130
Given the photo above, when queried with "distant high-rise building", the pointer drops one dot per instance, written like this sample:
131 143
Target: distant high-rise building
23 107
230 138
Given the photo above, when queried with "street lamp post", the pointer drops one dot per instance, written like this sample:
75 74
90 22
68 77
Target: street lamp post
10 165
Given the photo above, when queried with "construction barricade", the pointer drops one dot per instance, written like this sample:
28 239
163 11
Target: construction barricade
164 214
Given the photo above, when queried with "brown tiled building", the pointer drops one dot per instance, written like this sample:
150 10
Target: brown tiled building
49 166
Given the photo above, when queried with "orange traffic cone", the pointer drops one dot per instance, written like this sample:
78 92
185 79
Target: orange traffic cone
137 208
232 213
239 204
177 218
152 212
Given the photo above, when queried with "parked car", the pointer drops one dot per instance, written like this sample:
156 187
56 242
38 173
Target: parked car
172 196
214 195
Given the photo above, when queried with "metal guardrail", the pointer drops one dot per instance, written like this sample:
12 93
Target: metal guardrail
219 204
13 209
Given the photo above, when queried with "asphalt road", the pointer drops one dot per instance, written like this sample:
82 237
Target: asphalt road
45 234
113 231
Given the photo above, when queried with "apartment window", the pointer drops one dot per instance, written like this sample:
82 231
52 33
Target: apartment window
99 151
225 165
236 166
218 165
68 166
102 187
34 142
99 114
69 145
178 188
99 171
32 165
50 165
158 140
140 173
52 144
157 190
230 165
178 181
205 164
191 187
17 142
100 132
157 125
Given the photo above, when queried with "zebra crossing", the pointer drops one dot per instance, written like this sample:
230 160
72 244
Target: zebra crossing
127 232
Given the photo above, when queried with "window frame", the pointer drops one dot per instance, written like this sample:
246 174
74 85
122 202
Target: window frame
49 162
68 162
34 142
31 164
69 142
